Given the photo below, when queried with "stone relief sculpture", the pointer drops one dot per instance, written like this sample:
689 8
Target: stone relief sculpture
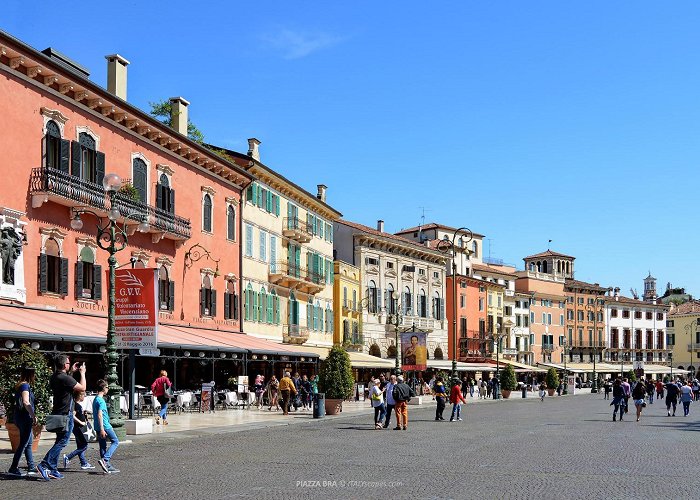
10 249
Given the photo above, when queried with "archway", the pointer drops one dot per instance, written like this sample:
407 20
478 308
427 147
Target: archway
438 353
375 351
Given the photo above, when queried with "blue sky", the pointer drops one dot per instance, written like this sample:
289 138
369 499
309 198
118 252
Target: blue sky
525 121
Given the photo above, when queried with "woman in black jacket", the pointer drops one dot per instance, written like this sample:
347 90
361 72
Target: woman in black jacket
638 394
618 399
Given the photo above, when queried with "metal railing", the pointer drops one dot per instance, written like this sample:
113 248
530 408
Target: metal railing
298 272
296 224
91 194
353 338
586 343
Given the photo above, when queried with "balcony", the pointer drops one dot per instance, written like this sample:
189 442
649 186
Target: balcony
693 347
587 344
350 307
289 275
353 339
547 347
295 334
297 230
409 321
48 184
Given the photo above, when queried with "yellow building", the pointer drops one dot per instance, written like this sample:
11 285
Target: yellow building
495 295
347 294
683 333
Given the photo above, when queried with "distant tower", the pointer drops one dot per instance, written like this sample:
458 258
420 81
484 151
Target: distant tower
649 288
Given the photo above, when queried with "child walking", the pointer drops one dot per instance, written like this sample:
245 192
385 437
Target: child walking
103 429
79 429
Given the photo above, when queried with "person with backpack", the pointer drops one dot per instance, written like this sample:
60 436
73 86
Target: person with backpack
162 390
638 394
440 395
618 400
402 395
25 420
671 397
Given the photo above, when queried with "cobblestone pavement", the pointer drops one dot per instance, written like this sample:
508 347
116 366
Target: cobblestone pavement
565 447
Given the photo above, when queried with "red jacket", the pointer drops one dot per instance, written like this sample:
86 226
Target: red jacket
456 395
158 387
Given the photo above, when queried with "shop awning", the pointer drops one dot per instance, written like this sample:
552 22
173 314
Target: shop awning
446 364
522 367
560 367
357 359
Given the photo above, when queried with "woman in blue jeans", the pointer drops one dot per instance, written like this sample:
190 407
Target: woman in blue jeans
25 419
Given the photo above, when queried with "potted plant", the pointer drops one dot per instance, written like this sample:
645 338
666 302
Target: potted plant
631 376
335 379
552 381
508 382
9 376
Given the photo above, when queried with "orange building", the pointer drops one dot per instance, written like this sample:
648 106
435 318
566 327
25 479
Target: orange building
585 321
471 318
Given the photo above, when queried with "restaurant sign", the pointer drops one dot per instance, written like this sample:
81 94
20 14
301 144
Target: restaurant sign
136 317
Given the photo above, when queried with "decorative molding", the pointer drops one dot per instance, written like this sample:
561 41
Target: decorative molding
86 241
141 255
34 71
80 95
207 271
164 260
50 80
94 103
209 189
231 277
86 128
16 62
156 237
166 169
13 215
48 233
107 110
64 88
232 200
55 115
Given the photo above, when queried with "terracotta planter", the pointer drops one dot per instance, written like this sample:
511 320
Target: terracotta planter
505 393
13 432
551 392
334 406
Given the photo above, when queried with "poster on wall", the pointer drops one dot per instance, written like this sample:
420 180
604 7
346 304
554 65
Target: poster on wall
414 353
136 312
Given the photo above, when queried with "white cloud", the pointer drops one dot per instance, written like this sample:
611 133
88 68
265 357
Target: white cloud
296 45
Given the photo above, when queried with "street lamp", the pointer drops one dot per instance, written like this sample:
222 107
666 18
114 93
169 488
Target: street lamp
594 308
112 238
565 344
496 337
690 328
445 246
395 319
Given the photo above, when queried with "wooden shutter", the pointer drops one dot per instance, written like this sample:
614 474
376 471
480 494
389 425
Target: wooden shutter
65 156
171 296
202 291
277 205
100 168
235 298
227 305
213 303
140 182
207 215
76 158
97 282
159 194
254 301
249 193
171 208
78 279
246 305
42 278
63 285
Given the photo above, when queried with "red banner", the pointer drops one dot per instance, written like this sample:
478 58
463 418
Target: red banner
414 353
136 318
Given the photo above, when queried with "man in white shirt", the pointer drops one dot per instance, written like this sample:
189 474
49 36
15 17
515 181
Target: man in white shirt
390 400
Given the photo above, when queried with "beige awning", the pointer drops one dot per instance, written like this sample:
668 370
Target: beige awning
446 364
357 359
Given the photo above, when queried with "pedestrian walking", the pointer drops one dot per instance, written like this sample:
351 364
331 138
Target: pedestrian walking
62 385
376 395
440 395
618 399
24 419
80 428
471 387
390 401
489 388
686 397
273 393
650 390
288 389
638 394
627 389
543 391
259 388
607 388
162 389
103 429
696 389
560 388
482 389
671 398
456 398
659 389
305 392
402 395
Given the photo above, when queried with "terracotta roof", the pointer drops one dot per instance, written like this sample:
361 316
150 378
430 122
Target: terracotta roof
549 253
398 239
635 302
690 307
434 225
571 283
507 270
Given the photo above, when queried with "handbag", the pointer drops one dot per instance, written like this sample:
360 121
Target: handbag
57 423
168 391
89 432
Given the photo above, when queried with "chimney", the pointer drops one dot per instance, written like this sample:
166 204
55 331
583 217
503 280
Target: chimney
380 226
253 150
617 292
321 195
116 75
178 115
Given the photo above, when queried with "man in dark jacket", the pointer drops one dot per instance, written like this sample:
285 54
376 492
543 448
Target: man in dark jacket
402 395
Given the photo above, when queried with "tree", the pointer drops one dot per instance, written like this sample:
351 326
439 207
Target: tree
552 379
162 110
335 377
631 376
508 382
10 368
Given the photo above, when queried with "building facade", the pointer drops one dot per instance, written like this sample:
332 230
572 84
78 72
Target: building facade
521 330
585 321
347 294
400 279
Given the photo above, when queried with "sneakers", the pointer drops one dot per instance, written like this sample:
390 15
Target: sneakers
452 420
103 465
66 461
459 419
87 466
15 473
32 471
397 428
111 469
54 474
44 472
668 413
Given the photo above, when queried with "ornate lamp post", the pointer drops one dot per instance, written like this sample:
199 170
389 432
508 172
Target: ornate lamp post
112 238
565 344
595 309
445 246
395 319
496 337
691 328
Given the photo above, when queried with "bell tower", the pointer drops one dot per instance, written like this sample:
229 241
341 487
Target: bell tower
649 288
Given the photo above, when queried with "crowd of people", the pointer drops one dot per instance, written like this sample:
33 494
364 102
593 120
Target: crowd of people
295 392
670 390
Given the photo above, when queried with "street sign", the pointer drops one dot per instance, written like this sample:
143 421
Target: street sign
136 314
149 352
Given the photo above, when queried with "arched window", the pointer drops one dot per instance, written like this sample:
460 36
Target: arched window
372 297
140 179
475 249
85 275
207 298
391 351
558 266
532 266
544 267
374 350
422 304
293 310
438 353
345 298
53 269
56 151
207 213
231 223
87 163
230 300
407 302
166 290
389 299
354 300
165 197
539 266
437 307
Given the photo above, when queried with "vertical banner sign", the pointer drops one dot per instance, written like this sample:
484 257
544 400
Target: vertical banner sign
414 354
136 318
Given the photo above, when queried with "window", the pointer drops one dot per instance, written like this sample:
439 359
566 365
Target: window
490 298
263 246
207 213
625 313
371 261
526 321
637 314
659 316
389 300
53 269
231 223
462 300
669 323
56 150
436 275
421 272
248 240
207 298
422 304
407 303
561 305
88 276
579 315
166 290
437 307
561 319
390 265
139 179
499 300
518 320
165 197
532 317
649 315
86 162
475 249
372 295
580 300
230 301
481 303
544 318
266 200
613 313
549 319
